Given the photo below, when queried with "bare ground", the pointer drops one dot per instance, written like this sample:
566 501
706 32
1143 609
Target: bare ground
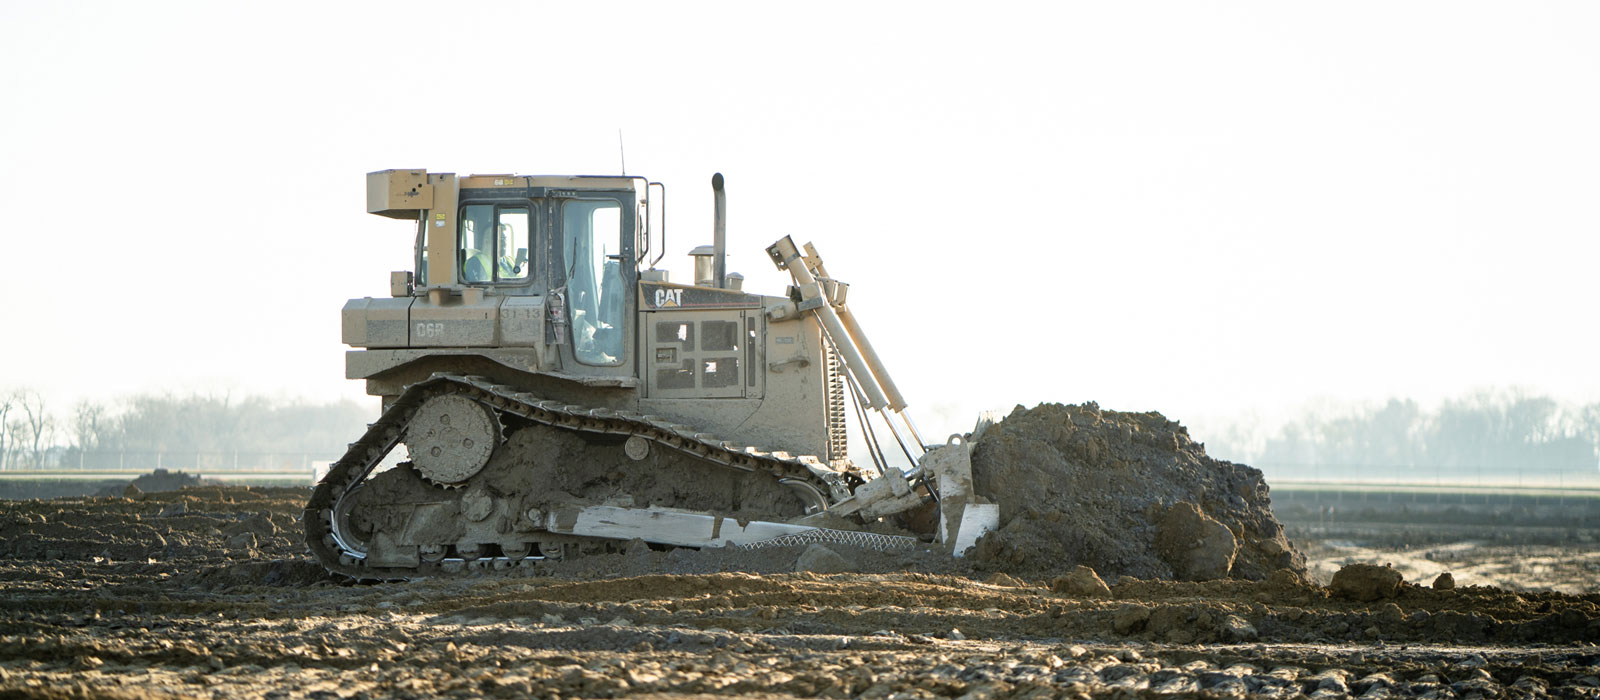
1540 548
111 598
1517 567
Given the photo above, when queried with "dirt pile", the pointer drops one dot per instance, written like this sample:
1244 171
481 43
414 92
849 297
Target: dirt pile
163 480
158 481
1128 494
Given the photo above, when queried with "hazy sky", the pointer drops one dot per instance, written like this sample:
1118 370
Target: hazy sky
1205 209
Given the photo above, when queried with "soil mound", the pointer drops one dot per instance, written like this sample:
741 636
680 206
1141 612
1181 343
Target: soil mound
163 480
1127 494
157 481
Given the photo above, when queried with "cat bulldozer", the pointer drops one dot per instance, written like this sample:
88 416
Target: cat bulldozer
558 396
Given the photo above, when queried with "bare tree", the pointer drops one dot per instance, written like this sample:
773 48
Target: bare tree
1590 420
16 435
7 401
88 425
39 424
147 424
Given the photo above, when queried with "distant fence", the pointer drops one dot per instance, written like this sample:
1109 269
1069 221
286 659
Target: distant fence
190 461
1549 478
220 463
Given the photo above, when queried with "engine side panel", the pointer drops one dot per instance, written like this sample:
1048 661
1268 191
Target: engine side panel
789 412
376 323
456 322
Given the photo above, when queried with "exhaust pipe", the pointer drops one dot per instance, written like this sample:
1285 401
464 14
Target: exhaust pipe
719 234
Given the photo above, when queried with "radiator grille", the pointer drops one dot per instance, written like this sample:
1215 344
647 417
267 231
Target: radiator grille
838 443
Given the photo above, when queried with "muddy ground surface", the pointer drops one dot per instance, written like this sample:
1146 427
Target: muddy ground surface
1549 546
207 593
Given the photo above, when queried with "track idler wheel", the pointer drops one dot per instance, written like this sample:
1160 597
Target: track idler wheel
450 439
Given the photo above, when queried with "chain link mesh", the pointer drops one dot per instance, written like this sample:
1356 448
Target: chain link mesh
868 540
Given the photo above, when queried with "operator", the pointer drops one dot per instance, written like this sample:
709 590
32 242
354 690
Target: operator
510 266
474 265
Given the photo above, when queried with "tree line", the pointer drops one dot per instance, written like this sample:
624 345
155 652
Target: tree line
36 434
1485 430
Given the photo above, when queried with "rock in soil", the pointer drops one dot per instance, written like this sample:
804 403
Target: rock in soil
1366 582
1130 618
1001 578
1236 629
243 540
1195 545
818 559
1083 581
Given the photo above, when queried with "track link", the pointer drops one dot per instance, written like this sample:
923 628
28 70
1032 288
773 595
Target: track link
339 556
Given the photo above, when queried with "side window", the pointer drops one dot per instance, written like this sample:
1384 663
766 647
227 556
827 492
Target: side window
477 241
494 243
591 234
422 253
511 259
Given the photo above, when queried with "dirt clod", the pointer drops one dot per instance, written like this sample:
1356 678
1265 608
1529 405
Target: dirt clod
1195 545
1083 581
1001 578
1288 579
1130 619
1444 582
1236 629
818 559
1366 582
243 540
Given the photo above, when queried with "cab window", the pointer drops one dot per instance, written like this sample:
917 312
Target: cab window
422 253
592 246
494 243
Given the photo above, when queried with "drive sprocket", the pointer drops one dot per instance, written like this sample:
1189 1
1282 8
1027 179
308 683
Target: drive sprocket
450 439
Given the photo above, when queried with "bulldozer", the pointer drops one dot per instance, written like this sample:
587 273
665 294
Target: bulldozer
557 395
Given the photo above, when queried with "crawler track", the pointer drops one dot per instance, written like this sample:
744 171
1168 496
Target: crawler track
341 554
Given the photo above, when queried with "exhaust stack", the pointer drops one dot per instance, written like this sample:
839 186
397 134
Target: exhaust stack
719 233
